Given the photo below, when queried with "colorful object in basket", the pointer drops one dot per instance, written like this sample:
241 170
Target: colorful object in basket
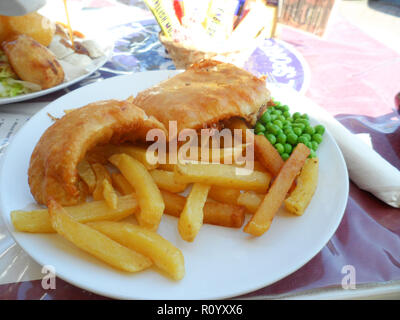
219 29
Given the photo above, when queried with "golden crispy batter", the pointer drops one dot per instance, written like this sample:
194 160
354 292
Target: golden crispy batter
33 62
206 93
53 165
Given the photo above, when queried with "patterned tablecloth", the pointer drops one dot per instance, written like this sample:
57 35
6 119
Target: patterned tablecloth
348 73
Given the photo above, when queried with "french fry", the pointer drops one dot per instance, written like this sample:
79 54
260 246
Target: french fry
259 167
95 242
87 174
137 152
217 155
264 151
191 218
268 156
121 184
165 181
222 175
166 166
101 174
216 213
149 196
224 195
220 214
163 253
38 221
307 181
250 200
262 218
109 194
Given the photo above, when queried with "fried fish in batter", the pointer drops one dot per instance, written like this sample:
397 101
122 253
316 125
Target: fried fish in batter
33 62
206 93
53 164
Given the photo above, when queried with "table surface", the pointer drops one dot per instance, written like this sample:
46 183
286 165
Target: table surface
353 77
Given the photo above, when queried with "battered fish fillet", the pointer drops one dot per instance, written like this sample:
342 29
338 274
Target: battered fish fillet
53 164
205 94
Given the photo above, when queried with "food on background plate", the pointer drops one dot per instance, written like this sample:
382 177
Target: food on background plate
32 24
92 155
37 54
33 62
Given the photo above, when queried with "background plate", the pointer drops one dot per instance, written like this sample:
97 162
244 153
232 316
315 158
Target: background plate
221 262
97 64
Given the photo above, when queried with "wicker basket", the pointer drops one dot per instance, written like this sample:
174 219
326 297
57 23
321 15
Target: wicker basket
183 56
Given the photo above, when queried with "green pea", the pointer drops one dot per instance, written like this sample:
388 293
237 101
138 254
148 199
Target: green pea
309 130
305 116
268 127
259 128
260 134
302 139
286 123
280 148
287 131
278 123
309 145
274 129
317 138
297 131
312 154
281 118
271 109
281 138
314 145
301 120
265 118
281 108
280 131
299 125
307 136
273 117
296 115
277 112
285 156
271 138
285 107
292 138
320 129
288 148
286 114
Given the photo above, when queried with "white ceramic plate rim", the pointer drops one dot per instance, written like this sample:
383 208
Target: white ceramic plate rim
171 290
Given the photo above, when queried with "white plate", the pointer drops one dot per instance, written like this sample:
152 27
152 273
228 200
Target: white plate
221 262
97 64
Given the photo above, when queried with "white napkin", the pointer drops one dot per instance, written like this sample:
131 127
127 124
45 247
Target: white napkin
367 169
